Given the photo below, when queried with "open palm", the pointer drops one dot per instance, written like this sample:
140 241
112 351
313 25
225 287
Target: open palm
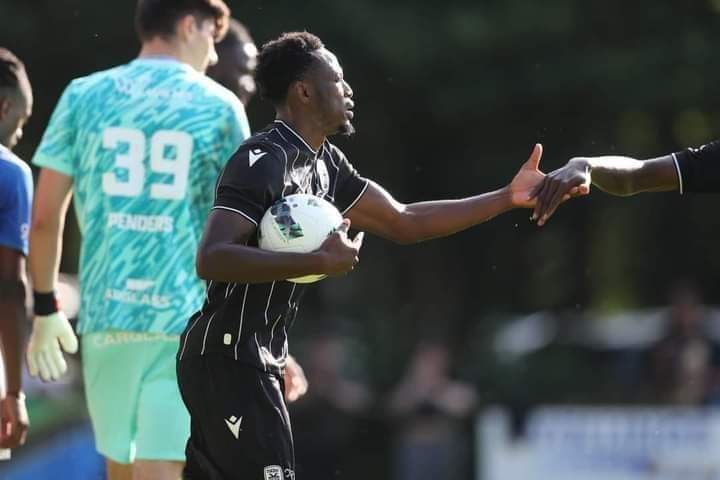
528 177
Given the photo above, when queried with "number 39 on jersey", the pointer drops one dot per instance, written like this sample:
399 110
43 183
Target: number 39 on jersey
170 153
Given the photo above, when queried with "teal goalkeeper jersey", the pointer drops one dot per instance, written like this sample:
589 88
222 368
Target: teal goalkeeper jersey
144 144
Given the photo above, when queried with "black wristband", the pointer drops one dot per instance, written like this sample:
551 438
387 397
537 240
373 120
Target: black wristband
45 303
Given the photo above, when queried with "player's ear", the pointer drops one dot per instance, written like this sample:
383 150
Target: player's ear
5 105
185 27
302 90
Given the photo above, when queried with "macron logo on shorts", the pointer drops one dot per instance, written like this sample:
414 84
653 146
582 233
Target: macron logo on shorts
233 424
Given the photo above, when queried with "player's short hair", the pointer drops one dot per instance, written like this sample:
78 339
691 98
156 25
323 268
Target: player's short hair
237 34
155 18
12 73
283 61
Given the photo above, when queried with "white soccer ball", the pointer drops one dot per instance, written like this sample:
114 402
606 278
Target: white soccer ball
298 223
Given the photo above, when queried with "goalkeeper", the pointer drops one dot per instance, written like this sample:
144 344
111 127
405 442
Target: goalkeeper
138 147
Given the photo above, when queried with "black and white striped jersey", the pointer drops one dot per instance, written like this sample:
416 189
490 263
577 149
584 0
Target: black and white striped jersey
699 168
250 322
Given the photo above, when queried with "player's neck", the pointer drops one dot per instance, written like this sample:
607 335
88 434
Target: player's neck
312 135
161 48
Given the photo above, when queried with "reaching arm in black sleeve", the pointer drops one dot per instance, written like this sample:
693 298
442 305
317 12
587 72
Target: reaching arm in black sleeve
690 170
699 168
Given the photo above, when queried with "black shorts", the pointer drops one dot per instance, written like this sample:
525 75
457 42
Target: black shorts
239 429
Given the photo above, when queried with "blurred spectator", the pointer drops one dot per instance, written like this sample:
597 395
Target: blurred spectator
237 56
428 406
684 362
327 419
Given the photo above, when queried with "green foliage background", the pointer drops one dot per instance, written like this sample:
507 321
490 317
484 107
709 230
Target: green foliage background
450 98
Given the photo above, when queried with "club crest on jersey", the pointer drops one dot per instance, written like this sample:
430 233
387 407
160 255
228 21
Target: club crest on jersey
324 176
274 472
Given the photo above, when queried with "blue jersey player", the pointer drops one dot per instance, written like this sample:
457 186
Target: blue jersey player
138 147
15 200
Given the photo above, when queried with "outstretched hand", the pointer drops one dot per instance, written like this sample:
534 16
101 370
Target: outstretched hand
528 178
572 180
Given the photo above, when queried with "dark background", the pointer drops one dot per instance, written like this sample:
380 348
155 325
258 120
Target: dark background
450 98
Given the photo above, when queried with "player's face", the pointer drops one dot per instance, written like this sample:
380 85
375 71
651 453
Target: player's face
15 110
201 43
334 95
234 70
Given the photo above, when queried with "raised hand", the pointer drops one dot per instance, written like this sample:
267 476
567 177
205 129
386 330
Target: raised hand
341 253
572 180
527 179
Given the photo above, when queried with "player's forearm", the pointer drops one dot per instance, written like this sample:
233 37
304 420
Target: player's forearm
427 220
44 258
242 264
625 176
611 174
12 317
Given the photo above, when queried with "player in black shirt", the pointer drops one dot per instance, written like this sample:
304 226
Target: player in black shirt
690 170
234 349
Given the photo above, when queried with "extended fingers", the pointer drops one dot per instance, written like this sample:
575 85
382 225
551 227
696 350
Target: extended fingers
32 362
43 367
543 197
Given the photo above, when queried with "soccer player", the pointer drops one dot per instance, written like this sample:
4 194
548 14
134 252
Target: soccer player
138 147
16 187
690 170
233 350
237 58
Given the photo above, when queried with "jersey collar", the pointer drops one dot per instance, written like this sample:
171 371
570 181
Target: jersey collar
296 139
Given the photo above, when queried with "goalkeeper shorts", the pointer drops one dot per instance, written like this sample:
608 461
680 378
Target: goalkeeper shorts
133 397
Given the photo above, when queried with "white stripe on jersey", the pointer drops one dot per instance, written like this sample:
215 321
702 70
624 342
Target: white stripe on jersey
677 167
272 332
242 315
362 192
267 305
298 136
280 133
207 329
259 351
202 312
236 211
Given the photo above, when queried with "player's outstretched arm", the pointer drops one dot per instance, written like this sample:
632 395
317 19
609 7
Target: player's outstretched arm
51 329
379 213
224 255
616 175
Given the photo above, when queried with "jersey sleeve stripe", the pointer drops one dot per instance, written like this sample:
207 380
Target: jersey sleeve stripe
679 173
236 211
362 192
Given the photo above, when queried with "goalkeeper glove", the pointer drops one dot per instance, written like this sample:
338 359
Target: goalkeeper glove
50 332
